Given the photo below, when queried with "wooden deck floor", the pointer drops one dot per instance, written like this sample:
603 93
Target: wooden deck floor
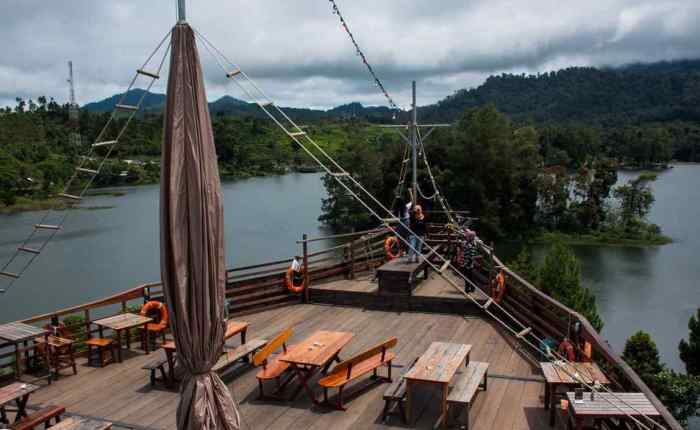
121 392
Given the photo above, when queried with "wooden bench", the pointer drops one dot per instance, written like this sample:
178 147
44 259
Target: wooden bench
272 368
357 366
42 416
239 353
155 365
467 386
395 395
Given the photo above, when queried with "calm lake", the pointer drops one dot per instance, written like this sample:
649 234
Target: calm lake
105 251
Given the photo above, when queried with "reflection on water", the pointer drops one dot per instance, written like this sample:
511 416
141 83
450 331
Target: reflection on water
654 289
101 252
105 251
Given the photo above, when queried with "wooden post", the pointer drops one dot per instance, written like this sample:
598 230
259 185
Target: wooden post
305 246
87 324
352 259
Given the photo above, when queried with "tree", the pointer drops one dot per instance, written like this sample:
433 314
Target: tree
690 349
560 277
642 355
636 199
680 394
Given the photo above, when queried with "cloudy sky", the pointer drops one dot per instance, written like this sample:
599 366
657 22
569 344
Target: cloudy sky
298 52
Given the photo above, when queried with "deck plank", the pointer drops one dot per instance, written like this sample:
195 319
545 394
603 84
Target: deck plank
121 391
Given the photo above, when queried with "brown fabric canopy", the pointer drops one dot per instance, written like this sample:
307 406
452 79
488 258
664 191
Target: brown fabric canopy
192 241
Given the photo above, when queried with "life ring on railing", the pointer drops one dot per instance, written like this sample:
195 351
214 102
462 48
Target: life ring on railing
295 280
498 287
392 248
153 306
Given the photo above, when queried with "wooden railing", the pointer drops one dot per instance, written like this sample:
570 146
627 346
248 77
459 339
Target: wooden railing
550 318
248 289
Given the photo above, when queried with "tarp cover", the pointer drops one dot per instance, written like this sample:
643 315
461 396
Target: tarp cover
192 241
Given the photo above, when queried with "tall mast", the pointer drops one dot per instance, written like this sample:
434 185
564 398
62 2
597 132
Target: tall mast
181 15
73 115
414 148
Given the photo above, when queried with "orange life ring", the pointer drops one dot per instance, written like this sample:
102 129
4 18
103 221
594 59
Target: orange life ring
155 305
498 287
389 244
289 279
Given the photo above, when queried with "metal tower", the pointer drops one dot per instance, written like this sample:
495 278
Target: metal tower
73 113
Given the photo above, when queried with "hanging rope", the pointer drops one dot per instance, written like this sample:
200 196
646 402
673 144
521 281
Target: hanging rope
359 52
35 243
339 174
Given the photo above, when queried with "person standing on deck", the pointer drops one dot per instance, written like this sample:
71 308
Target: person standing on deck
418 227
469 255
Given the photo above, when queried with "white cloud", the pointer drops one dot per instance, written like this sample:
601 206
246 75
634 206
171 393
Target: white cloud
299 53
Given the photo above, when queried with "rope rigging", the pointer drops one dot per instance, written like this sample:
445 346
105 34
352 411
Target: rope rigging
82 178
524 333
361 54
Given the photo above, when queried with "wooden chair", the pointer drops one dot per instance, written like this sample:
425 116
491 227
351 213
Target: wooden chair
159 312
272 368
61 344
357 366
466 388
42 416
97 346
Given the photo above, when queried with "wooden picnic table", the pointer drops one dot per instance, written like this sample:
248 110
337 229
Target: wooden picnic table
610 405
19 393
315 353
17 333
437 365
232 328
80 423
570 375
122 322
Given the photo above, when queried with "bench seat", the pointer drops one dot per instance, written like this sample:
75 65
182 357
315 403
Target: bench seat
359 365
228 358
42 416
466 387
156 364
396 394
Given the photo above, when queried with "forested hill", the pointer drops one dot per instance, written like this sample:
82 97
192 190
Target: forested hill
636 93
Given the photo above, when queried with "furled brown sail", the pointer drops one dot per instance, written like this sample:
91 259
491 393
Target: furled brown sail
192 241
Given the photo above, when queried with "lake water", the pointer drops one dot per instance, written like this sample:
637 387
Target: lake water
105 251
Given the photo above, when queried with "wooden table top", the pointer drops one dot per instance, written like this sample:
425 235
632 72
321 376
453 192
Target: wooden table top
123 321
612 405
564 373
439 362
317 349
235 327
80 423
14 391
18 332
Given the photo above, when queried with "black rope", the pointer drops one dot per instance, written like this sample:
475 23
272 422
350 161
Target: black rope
359 52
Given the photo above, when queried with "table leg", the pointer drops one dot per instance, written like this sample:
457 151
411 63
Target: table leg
18 362
409 401
3 415
128 339
145 335
119 345
246 359
546 396
552 403
443 406
171 366
21 407
304 376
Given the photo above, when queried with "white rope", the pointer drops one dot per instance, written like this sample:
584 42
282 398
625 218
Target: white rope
432 251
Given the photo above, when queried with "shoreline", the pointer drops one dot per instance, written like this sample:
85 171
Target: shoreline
592 239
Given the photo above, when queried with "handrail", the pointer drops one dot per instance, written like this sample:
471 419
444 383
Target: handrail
590 334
